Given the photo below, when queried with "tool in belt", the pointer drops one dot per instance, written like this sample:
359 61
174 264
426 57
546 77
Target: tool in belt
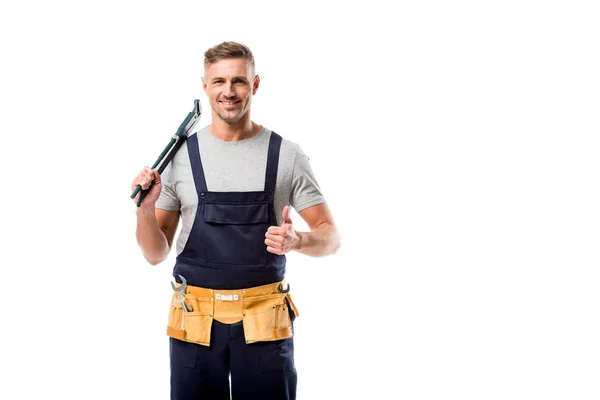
264 311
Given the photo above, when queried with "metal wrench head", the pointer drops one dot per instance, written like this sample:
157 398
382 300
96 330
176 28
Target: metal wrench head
182 287
281 290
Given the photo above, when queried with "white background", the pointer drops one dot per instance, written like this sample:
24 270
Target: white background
456 143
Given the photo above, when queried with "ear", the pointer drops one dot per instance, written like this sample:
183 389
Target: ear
204 86
256 84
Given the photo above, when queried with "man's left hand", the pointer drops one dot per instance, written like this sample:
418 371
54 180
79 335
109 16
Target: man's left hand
282 239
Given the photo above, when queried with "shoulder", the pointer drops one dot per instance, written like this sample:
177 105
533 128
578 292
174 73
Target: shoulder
183 153
198 136
289 150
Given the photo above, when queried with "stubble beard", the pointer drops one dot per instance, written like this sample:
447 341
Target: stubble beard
229 116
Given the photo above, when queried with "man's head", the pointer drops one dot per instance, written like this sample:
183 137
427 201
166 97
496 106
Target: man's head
229 80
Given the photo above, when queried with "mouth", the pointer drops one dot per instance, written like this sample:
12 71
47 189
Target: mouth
229 103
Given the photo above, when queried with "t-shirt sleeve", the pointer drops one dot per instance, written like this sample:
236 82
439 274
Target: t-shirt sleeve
168 199
305 189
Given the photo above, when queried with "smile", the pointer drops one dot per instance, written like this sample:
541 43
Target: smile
229 105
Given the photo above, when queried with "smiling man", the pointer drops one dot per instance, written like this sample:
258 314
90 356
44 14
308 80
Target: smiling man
232 185
230 87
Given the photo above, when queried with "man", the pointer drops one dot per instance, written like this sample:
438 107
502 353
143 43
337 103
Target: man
232 183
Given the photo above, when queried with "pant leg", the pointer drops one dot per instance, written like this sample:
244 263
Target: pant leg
262 370
201 372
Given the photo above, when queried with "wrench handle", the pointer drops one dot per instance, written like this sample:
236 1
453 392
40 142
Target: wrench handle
181 300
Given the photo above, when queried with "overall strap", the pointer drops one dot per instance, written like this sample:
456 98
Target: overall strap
197 171
272 162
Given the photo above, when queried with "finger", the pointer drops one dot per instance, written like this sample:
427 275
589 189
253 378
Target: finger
146 174
286 215
273 244
156 177
273 250
143 179
149 173
275 238
276 230
139 178
145 183
149 176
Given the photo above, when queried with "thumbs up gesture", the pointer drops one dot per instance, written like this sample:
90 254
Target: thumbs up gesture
282 239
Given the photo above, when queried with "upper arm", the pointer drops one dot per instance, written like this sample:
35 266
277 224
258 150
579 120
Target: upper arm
167 222
305 191
317 215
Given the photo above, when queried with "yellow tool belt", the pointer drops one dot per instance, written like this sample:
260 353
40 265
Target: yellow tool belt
263 310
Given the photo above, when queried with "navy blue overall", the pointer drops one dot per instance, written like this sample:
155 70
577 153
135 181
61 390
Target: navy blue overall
226 250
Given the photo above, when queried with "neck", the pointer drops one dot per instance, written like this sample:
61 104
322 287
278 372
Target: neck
233 131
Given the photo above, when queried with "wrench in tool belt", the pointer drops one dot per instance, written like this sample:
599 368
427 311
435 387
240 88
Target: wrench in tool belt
181 294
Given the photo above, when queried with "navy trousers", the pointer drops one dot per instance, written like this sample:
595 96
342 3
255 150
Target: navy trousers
263 370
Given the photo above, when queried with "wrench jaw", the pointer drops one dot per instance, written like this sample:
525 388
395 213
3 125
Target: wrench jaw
281 290
182 287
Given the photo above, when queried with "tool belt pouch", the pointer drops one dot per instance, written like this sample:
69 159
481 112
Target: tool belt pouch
192 326
267 317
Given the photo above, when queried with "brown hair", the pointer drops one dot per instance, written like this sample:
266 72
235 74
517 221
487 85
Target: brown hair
228 50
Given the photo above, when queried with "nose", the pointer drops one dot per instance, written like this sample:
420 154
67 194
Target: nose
229 90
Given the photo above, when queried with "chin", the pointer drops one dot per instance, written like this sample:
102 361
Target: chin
231 118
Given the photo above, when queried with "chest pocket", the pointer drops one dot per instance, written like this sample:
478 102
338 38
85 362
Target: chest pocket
235 233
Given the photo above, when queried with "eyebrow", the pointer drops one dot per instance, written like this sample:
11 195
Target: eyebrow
243 78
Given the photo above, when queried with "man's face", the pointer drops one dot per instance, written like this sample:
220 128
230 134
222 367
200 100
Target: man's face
229 85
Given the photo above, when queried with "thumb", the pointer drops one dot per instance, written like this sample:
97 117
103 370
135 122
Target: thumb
155 185
156 179
286 215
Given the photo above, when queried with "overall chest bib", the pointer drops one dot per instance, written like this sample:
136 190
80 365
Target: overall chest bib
225 248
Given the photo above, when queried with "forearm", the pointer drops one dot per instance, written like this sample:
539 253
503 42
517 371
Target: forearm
150 237
322 241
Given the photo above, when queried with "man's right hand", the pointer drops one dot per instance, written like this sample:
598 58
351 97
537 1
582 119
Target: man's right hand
144 179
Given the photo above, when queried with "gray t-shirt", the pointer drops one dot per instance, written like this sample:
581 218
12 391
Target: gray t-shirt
237 167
